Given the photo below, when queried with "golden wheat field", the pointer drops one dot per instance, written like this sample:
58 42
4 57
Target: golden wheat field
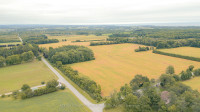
194 83
54 45
187 51
116 65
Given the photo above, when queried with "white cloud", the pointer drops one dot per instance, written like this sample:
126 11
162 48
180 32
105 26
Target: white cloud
97 12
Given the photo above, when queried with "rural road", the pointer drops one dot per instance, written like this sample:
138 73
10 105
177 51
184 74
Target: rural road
91 106
20 38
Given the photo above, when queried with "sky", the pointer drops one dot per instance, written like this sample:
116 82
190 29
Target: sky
75 12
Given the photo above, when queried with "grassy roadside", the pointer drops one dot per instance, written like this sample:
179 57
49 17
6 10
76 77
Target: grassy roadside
60 101
31 73
77 87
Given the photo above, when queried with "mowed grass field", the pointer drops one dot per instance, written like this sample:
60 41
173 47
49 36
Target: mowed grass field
186 51
117 64
61 101
78 37
32 73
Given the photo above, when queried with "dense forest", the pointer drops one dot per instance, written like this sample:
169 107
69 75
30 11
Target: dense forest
69 54
158 43
18 54
39 39
167 94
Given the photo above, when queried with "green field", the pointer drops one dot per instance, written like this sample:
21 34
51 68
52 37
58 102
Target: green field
116 65
32 73
61 101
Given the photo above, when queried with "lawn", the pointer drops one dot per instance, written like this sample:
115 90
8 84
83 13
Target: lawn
117 64
186 51
32 73
78 37
61 101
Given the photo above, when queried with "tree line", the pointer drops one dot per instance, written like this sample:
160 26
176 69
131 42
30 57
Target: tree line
177 55
88 85
73 54
165 33
167 94
158 43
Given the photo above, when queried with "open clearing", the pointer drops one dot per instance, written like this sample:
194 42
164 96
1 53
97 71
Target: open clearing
117 64
186 51
32 73
61 101
78 37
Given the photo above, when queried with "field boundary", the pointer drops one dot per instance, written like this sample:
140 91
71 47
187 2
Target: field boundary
177 55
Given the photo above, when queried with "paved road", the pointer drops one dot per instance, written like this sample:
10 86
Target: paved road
91 106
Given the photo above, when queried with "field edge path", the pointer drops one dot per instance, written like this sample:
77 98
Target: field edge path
91 106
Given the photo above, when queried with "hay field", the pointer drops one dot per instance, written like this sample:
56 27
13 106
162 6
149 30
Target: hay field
32 73
186 51
54 45
78 37
117 64
193 83
61 101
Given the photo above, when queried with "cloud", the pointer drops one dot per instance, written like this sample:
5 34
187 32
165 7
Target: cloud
97 12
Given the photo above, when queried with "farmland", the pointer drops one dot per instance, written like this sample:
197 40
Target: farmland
116 65
186 51
54 45
193 83
71 38
32 73
5 38
78 37
55 102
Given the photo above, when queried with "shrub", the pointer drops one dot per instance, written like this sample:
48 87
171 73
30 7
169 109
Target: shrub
3 95
62 87
42 82
197 72
25 87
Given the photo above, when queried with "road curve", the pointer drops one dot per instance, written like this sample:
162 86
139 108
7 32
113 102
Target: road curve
91 106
